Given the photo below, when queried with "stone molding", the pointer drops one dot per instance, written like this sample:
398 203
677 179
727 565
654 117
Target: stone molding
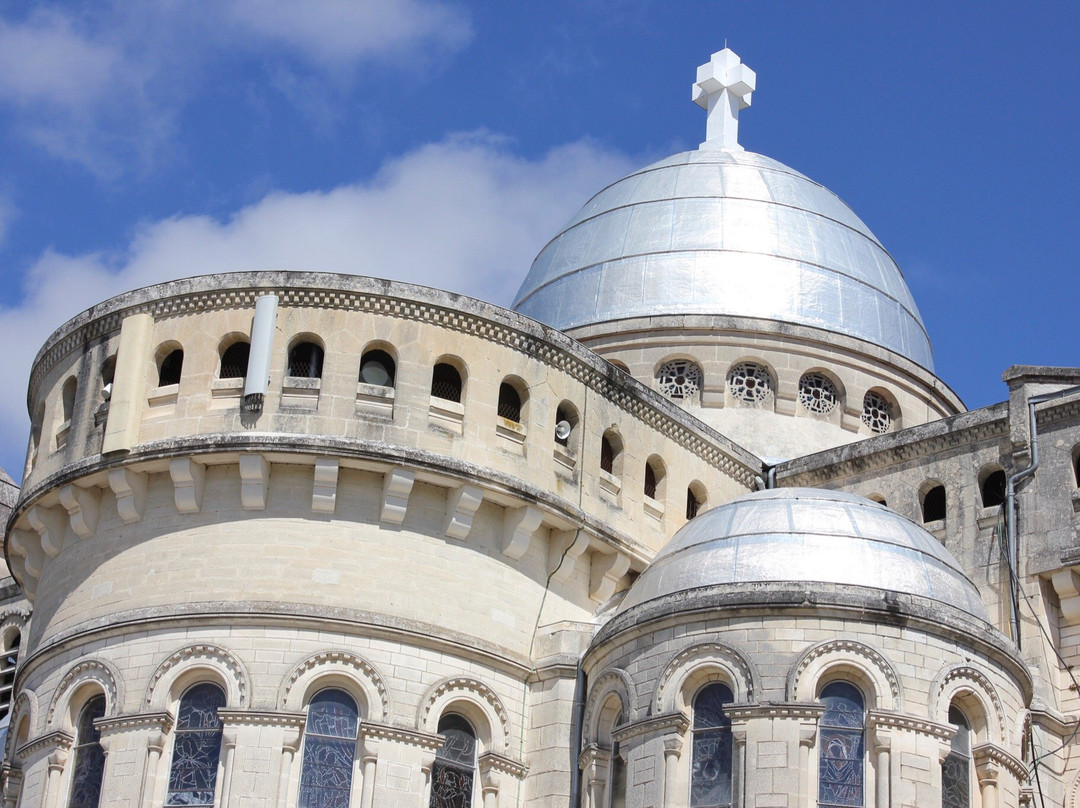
716 655
466 685
843 651
405 735
885 719
611 681
347 658
676 723
992 753
95 670
161 721
750 712
978 683
491 761
262 718
205 651
53 740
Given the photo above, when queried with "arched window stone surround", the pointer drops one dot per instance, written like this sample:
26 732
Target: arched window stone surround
475 701
103 677
976 694
611 682
691 669
25 709
221 665
849 660
340 669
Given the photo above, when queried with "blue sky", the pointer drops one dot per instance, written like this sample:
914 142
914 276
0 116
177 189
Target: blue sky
444 142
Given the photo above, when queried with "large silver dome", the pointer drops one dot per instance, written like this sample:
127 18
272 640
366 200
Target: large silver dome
804 535
728 233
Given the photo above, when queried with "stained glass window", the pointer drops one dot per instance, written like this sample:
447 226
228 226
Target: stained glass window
89 757
956 768
710 779
455 764
840 733
196 747
329 750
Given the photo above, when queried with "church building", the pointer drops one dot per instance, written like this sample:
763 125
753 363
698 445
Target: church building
695 524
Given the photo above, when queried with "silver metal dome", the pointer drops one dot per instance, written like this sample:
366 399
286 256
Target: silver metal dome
803 535
728 233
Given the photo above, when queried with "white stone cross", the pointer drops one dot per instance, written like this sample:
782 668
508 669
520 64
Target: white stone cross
724 85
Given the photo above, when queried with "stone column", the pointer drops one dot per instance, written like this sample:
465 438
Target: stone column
290 745
595 763
807 739
55 748
12 786
131 743
988 785
882 771
673 747
369 758
492 769
57 761
228 748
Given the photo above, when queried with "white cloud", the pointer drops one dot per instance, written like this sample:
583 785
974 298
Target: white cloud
464 214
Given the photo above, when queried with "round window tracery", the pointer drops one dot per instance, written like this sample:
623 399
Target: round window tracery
818 394
679 378
877 413
749 382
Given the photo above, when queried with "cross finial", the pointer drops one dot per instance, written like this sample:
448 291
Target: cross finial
724 85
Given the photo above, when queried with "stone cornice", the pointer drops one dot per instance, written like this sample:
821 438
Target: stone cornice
989 752
1057 723
749 712
890 720
676 723
54 740
130 723
885 451
405 735
503 764
261 718
407 301
1060 411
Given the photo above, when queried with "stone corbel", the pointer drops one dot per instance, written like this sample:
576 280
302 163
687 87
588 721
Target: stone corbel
13 778
564 549
397 486
461 506
1067 585
188 478
25 544
50 527
129 487
607 569
82 506
519 525
254 480
324 488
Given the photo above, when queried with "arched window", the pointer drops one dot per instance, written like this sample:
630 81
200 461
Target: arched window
565 414
329 750
679 379
693 504
654 477
377 367
446 382
818 393
993 489
956 768
1076 465
89 762
933 504
67 397
710 778
234 361
877 413
840 733
171 368
305 360
509 403
196 746
108 373
8 662
749 383
455 764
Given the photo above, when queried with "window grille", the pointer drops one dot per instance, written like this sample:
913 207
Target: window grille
818 394
89 764
749 382
196 747
877 413
171 368
446 382
710 777
329 750
455 764
840 733
234 361
306 361
509 403
679 379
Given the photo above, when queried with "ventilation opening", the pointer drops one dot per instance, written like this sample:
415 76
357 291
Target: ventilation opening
306 361
378 368
934 504
234 361
8 663
509 403
171 368
993 489
446 382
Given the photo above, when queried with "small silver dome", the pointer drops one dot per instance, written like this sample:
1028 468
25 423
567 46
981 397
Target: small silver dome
726 233
803 535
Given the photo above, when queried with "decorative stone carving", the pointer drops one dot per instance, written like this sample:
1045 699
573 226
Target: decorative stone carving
50 527
331 660
254 477
130 490
82 506
397 485
188 477
475 688
324 487
220 658
565 547
607 569
94 670
461 506
519 525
